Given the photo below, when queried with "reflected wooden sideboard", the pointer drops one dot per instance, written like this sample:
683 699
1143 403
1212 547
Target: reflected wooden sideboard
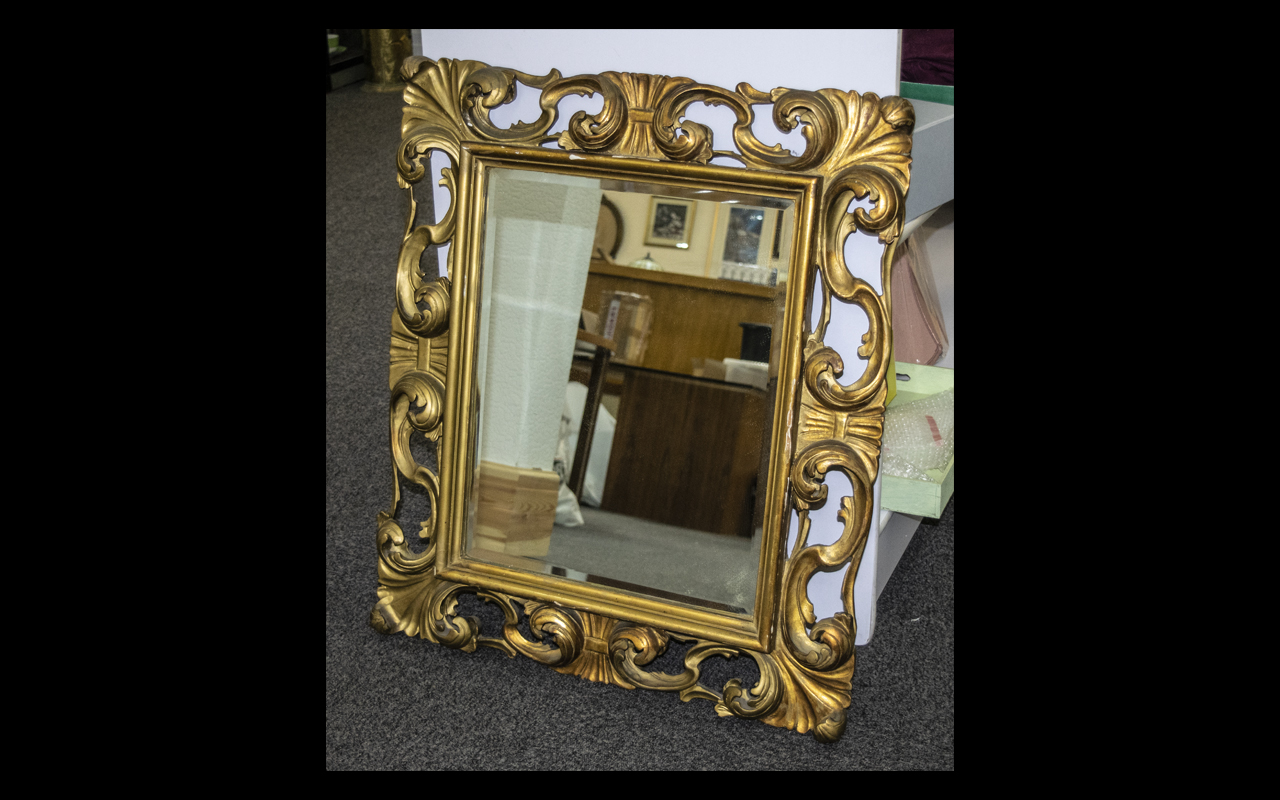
686 452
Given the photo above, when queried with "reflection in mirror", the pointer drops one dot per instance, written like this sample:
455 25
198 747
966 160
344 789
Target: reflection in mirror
625 411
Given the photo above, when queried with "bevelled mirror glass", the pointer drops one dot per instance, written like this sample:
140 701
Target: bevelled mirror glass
632 405
669 499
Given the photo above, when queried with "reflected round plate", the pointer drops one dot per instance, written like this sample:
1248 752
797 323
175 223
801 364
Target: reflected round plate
608 231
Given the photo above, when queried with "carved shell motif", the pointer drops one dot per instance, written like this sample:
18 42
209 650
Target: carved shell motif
860 144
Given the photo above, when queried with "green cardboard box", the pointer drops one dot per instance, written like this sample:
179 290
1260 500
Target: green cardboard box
903 495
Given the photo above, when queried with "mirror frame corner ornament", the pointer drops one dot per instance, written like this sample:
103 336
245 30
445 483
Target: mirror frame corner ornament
858 146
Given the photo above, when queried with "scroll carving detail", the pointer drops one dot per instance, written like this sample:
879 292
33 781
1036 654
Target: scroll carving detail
860 144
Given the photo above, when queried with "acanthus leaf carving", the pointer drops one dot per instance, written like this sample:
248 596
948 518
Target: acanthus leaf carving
859 144
811 699
405 583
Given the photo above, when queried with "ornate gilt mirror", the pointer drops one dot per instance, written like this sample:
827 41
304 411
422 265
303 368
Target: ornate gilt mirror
622 449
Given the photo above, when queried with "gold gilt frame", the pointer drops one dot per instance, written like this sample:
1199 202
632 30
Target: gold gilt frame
858 146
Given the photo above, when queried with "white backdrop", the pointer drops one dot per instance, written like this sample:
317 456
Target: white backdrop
859 60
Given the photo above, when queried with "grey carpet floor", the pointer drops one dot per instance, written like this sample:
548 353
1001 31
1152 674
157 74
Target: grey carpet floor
398 703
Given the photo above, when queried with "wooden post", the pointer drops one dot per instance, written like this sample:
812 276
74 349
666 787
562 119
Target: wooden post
599 368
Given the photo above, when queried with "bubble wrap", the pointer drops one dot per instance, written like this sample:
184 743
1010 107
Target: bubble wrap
919 436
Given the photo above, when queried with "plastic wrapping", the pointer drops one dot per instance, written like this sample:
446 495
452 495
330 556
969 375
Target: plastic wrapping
919 436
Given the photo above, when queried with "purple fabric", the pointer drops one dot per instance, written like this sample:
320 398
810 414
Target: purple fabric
929 56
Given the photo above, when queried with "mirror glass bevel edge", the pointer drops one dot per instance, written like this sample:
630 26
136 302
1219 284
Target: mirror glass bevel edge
460 418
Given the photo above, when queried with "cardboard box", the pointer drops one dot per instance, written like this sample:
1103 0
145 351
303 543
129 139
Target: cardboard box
515 509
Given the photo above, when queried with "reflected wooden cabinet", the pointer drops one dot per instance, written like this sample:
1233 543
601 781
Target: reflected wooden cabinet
694 469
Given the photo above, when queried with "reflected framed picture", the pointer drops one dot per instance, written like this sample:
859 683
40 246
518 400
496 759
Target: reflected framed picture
742 235
670 222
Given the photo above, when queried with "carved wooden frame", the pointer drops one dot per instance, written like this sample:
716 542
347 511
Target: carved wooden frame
858 146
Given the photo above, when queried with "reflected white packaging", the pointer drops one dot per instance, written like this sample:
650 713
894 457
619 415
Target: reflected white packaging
539 228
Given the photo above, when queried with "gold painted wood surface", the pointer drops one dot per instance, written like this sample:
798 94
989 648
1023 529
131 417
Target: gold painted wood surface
857 146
